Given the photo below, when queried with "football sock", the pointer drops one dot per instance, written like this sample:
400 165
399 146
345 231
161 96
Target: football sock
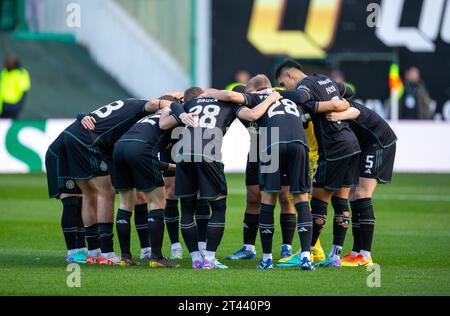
251 225
69 221
304 225
176 245
201 245
210 255
188 226
145 251
123 228
202 215
266 227
267 256
366 223
355 228
156 232
366 254
251 248
305 254
94 253
172 219
196 256
335 252
141 223
92 237
81 231
106 237
319 216
288 222
341 220
216 224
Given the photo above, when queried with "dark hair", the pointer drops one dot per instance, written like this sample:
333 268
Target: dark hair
192 93
169 98
239 88
287 64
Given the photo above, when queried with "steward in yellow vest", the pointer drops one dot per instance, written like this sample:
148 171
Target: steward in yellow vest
14 84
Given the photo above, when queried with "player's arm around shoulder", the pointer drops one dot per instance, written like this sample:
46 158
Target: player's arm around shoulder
258 111
174 116
226 96
335 105
347 115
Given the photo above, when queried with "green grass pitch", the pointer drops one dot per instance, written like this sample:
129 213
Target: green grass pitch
411 245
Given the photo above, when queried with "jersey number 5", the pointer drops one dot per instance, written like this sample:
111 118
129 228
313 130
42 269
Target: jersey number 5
106 110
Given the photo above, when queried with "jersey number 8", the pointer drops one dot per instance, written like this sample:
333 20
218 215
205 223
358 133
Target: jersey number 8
208 119
106 110
289 108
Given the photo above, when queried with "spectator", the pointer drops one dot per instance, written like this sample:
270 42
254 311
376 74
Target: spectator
241 77
14 85
415 103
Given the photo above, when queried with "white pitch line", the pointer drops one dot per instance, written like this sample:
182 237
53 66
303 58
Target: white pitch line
392 197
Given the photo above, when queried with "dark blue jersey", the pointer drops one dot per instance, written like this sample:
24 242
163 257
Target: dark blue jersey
112 121
147 131
335 140
284 116
214 118
370 128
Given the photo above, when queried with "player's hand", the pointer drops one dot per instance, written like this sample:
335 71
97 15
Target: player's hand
333 117
189 119
88 122
275 96
172 167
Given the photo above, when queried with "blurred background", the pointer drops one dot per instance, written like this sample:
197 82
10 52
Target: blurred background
62 57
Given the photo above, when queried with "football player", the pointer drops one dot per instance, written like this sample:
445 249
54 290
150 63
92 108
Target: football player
200 171
288 220
138 169
90 152
378 147
291 151
70 195
338 165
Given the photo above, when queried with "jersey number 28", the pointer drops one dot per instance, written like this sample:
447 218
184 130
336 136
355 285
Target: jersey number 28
208 119
289 108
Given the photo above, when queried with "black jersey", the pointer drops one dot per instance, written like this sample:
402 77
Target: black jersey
112 121
371 128
284 115
336 140
147 131
214 118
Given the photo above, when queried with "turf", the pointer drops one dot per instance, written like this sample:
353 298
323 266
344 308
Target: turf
412 247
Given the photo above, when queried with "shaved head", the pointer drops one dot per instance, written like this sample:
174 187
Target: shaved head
258 83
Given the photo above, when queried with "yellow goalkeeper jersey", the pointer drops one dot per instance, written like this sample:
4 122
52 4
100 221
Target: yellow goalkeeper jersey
313 147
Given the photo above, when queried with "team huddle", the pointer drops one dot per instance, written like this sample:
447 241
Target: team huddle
310 144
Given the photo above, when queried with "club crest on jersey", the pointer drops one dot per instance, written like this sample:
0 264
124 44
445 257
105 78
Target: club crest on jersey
104 166
70 184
